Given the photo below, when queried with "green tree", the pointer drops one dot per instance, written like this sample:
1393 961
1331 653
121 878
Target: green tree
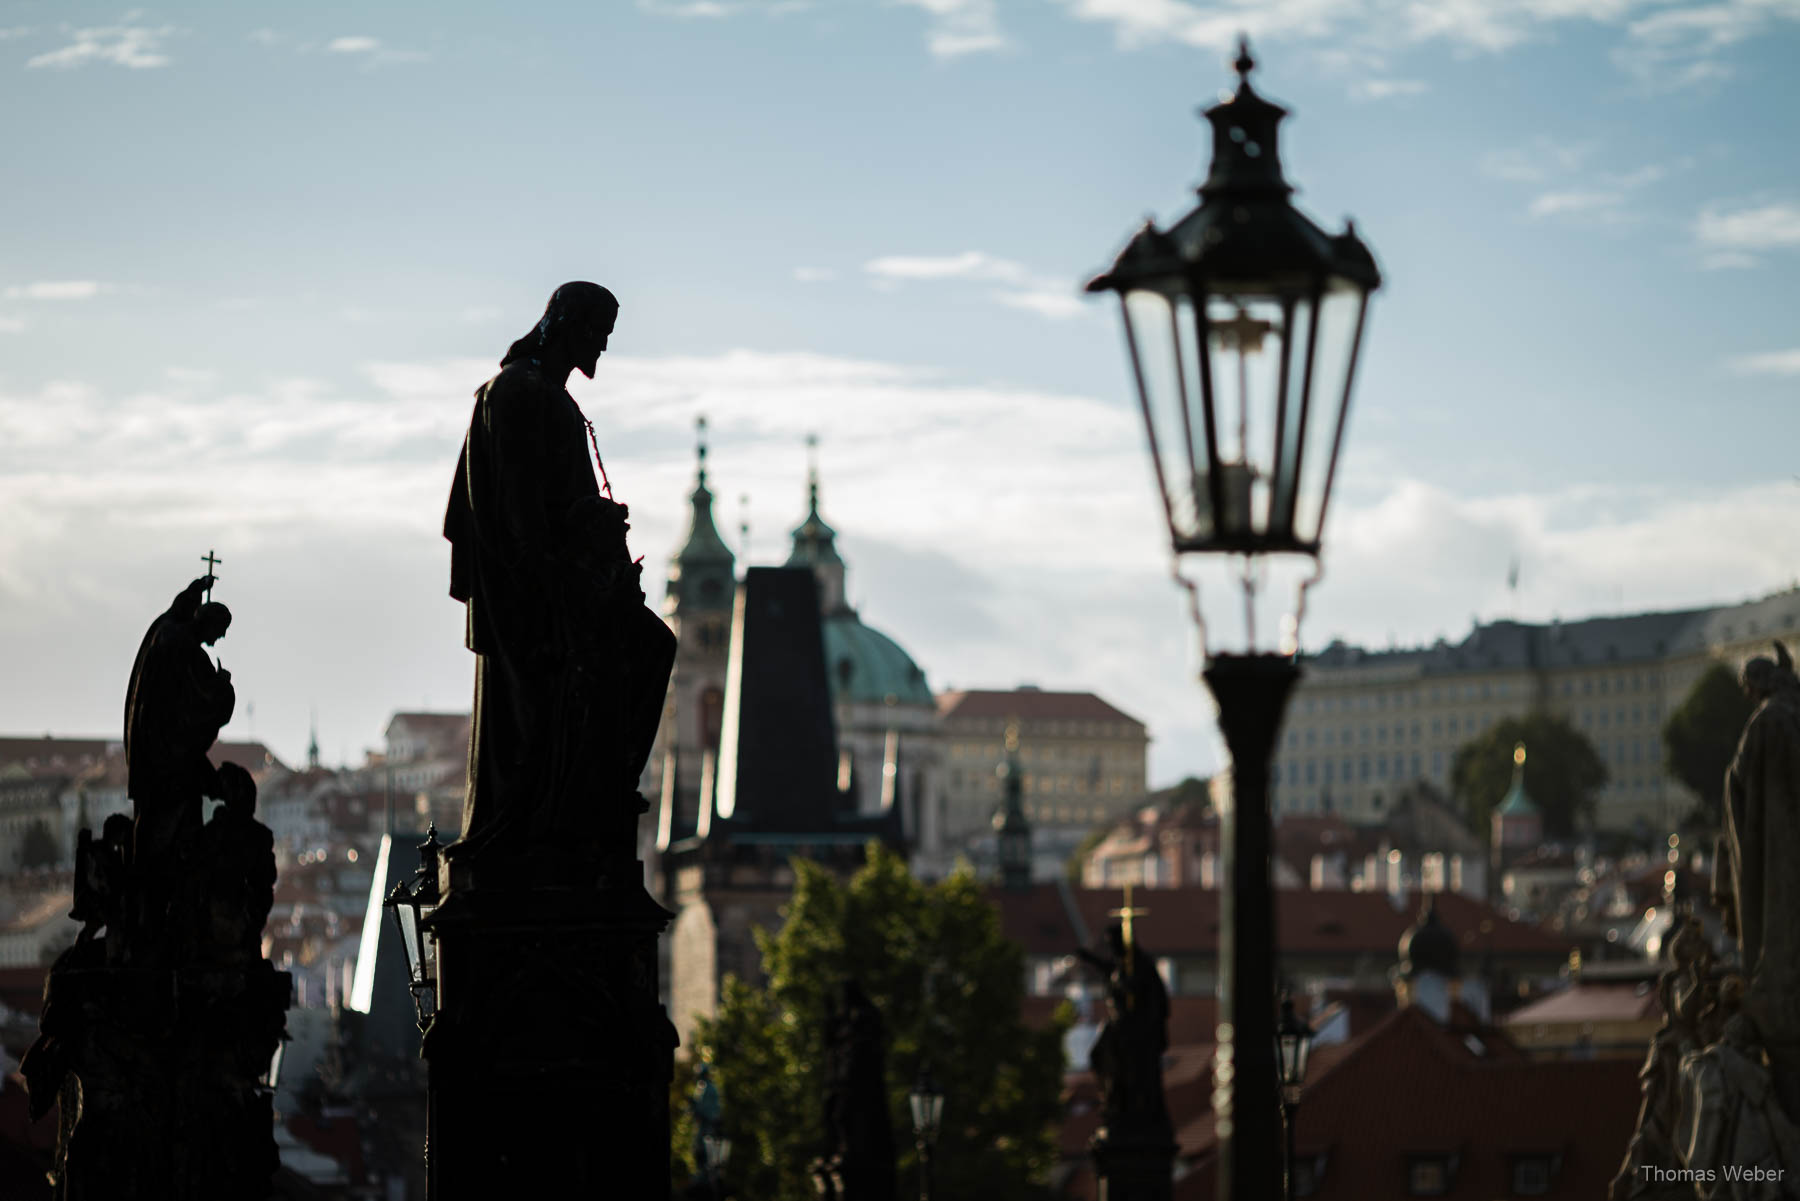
1563 772
38 848
950 988
1701 736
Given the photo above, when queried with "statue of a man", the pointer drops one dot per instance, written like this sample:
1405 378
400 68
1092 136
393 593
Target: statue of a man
175 705
571 667
1127 1056
1762 826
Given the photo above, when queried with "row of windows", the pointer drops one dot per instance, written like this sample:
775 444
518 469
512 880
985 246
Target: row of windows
994 752
1454 727
1037 785
1063 729
1349 770
1437 694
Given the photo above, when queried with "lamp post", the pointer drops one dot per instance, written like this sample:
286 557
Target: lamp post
717 1149
1293 1043
413 906
1242 321
927 1115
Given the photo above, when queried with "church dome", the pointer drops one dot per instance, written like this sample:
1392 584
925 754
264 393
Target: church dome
866 665
1428 946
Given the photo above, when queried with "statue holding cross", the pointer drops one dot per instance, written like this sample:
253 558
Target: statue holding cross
1127 1056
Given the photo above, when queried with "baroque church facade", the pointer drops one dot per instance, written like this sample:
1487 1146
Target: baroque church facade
791 727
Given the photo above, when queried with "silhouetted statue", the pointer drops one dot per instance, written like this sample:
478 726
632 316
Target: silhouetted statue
572 667
1127 1056
237 873
1762 826
153 1039
859 1138
175 705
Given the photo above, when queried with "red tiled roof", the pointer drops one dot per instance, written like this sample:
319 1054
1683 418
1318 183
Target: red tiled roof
1587 1002
49 751
430 721
1185 921
1411 1085
1029 704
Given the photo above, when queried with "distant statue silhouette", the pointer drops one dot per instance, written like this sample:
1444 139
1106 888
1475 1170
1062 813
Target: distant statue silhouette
1127 1056
572 667
859 1138
175 705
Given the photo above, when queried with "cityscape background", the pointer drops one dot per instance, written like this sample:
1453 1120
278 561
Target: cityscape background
263 268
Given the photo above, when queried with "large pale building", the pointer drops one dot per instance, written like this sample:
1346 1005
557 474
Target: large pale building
1363 725
1082 763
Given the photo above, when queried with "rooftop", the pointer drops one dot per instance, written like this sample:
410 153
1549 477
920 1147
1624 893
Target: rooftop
1028 704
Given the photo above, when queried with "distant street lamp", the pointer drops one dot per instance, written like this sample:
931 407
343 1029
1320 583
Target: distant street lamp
717 1149
1243 321
927 1115
412 906
1293 1043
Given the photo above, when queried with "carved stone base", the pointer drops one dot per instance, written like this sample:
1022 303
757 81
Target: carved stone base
1134 1165
550 1055
161 1099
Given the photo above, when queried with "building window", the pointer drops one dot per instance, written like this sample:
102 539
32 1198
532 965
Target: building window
1429 1175
1531 1174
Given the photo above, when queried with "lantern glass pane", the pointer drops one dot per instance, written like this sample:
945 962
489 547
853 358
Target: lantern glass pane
1247 337
1339 315
408 918
1161 330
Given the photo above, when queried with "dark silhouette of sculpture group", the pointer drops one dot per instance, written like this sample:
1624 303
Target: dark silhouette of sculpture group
161 1018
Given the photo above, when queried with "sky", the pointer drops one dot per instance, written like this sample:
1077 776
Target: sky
253 273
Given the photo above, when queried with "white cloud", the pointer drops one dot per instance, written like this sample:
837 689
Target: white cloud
1770 362
372 51
12 325
971 264
264 37
959 548
1382 89
1058 305
59 289
1556 203
961 27
1770 226
1727 260
1047 296
1543 159
133 46
1683 46
814 275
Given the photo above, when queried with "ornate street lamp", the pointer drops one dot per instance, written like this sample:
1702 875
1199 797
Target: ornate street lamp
1243 320
412 906
1293 1043
928 1116
717 1149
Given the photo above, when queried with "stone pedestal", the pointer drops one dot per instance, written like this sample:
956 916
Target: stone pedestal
157 1074
550 1055
1134 1165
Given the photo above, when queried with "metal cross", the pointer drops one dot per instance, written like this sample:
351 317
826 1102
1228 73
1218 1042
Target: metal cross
212 561
1127 913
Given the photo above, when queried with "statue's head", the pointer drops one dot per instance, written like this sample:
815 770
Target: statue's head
211 620
116 830
574 329
239 790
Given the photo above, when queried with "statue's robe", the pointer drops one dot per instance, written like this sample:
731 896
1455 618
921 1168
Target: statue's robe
1762 817
571 666
175 705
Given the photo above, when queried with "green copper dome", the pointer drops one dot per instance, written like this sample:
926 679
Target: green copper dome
866 665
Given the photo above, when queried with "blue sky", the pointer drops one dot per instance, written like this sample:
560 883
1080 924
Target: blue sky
254 272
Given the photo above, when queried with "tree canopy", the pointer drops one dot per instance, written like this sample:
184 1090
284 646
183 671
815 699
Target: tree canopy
950 989
1701 736
1563 772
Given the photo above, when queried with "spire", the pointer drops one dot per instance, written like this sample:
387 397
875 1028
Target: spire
703 543
312 747
1517 802
815 542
